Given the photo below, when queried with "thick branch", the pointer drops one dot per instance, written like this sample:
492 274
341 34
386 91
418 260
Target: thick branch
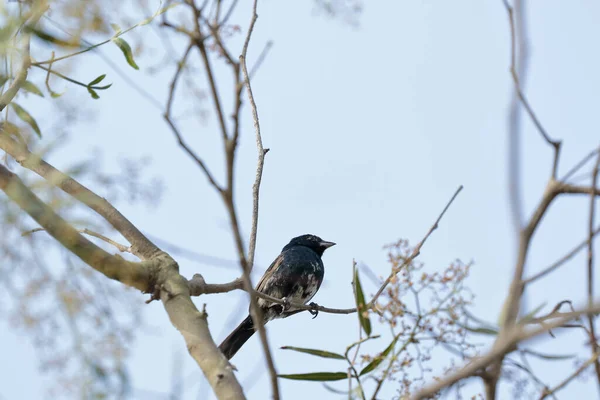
132 274
140 245
193 326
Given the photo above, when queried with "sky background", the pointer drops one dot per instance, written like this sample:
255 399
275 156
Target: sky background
371 130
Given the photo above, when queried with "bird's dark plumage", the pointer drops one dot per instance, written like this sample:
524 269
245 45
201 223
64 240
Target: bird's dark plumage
296 275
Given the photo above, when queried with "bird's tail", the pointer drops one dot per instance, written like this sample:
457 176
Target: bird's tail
237 338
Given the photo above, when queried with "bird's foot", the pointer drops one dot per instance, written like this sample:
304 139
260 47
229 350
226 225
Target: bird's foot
314 310
286 305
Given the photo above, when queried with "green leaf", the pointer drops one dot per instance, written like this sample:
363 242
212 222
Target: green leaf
103 87
319 353
361 307
97 80
316 376
26 117
379 359
46 37
31 88
3 79
93 93
126 49
479 329
551 357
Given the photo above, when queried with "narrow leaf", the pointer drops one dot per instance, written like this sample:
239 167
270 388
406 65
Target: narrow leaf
103 87
97 80
46 37
31 88
126 49
3 79
26 117
319 353
479 329
551 357
93 93
334 390
379 359
361 307
316 376
116 28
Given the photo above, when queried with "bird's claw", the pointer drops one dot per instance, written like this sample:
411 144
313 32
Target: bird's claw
286 305
314 310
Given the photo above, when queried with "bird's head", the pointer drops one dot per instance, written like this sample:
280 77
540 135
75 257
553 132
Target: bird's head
313 242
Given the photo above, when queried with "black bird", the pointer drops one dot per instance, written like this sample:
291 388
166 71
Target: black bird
294 276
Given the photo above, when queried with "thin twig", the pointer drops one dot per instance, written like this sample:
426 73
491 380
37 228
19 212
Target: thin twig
580 164
260 59
255 199
568 379
555 144
416 251
590 272
562 260
517 334
167 116
122 248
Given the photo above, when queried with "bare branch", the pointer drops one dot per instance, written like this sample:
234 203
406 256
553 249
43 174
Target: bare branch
555 144
132 274
568 379
140 245
122 248
578 166
255 202
590 272
260 59
167 116
561 261
517 334
416 251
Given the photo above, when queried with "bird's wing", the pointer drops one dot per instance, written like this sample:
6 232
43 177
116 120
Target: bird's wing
269 272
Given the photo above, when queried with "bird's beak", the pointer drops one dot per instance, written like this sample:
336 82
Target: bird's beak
326 245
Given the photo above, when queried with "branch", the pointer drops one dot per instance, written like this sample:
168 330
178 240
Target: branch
132 274
119 246
590 272
416 251
555 144
255 202
562 260
175 130
516 335
140 245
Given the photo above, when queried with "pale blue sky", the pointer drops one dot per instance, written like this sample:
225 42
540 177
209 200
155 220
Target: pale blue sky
371 130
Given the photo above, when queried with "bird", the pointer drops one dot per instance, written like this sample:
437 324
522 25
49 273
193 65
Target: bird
294 276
